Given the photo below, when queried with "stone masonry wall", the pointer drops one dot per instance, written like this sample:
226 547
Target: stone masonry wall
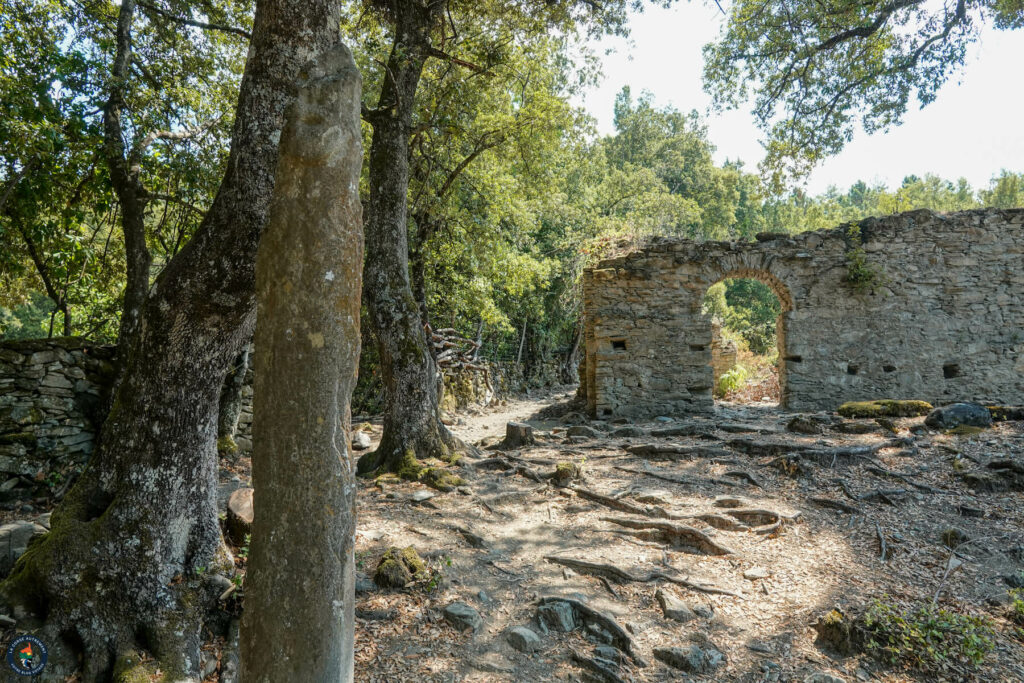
947 325
50 395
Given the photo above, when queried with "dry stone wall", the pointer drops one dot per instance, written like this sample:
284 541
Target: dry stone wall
945 324
50 395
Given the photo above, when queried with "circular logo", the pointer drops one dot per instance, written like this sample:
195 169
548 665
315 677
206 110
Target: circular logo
26 655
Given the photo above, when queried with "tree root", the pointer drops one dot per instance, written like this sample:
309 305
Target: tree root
597 667
608 571
624 506
672 534
670 451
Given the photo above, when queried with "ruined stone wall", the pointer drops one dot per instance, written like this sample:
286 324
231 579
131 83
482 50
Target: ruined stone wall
723 353
947 323
51 394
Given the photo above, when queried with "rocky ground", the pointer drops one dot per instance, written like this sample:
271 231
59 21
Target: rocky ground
732 547
806 523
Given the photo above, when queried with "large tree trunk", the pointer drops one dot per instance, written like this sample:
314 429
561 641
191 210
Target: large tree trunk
299 620
412 424
125 563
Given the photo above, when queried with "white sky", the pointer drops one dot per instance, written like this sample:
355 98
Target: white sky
974 129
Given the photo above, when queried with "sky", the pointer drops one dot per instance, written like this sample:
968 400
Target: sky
974 129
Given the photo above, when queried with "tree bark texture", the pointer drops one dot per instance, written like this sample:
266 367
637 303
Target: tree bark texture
127 562
298 623
412 422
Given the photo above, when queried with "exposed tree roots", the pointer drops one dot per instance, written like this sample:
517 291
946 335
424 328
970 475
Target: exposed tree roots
682 537
608 571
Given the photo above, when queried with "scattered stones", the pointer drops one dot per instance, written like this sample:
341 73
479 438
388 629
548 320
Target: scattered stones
694 659
14 539
674 608
523 639
492 662
628 432
360 441
756 573
398 567
462 617
240 515
583 430
957 414
422 496
822 677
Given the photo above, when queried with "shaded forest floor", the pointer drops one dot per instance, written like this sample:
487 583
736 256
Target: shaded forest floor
904 489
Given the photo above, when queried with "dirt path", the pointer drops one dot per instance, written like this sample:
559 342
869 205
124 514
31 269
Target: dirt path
503 543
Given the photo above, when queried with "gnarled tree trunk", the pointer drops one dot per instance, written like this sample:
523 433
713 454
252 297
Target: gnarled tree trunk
412 424
125 563
298 623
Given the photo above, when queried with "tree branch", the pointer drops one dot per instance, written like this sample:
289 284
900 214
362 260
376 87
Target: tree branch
192 22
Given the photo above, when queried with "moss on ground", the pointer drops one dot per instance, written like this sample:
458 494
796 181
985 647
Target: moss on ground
885 408
398 567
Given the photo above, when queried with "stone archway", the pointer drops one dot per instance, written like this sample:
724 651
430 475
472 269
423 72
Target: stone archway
943 323
785 299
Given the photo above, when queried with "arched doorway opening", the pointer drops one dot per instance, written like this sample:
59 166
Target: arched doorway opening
747 310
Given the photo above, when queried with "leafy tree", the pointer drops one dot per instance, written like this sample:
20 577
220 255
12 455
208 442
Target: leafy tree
126 562
815 70
420 31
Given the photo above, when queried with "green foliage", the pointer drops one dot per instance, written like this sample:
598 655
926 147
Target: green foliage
925 637
732 380
863 276
817 69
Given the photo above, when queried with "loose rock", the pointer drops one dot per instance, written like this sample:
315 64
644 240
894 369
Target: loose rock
523 639
462 617
674 608
694 659
957 414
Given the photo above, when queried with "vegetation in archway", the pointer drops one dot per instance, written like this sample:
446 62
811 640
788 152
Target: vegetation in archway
747 311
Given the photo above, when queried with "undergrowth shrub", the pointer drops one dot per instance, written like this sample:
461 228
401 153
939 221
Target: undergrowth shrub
925 636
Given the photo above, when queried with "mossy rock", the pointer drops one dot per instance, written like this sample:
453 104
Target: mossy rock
398 567
23 438
440 479
1006 413
566 472
839 632
226 447
965 430
885 408
130 668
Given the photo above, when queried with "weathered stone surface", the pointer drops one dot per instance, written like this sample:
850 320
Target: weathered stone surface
557 616
628 432
462 617
361 441
944 324
956 414
694 659
583 430
674 608
14 538
523 639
